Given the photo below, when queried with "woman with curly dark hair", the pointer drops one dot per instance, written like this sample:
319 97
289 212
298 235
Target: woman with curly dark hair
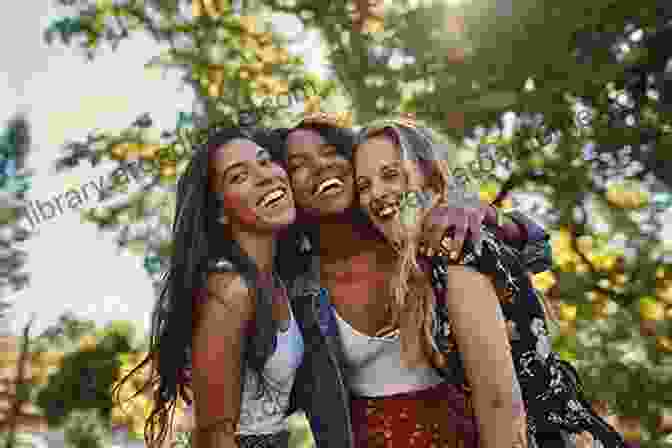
223 331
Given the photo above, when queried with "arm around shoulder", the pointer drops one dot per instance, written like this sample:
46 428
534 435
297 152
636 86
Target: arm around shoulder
217 347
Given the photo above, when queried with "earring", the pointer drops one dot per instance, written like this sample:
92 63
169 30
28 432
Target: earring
305 246
223 219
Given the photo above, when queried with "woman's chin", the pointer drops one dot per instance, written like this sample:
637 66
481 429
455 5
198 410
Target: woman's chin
390 229
276 223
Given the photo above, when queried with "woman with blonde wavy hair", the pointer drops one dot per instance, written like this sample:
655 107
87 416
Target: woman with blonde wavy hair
454 315
399 178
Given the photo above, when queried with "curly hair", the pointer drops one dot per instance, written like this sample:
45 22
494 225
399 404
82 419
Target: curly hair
344 140
198 240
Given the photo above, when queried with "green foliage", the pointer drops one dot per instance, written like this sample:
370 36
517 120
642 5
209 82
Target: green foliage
87 373
558 71
85 430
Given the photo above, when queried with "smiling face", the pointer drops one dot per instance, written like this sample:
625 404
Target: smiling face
255 190
381 182
322 179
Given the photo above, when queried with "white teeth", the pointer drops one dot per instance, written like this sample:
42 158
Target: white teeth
387 211
328 183
272 196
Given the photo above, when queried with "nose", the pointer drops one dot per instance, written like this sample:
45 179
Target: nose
323 163
378 191
264 175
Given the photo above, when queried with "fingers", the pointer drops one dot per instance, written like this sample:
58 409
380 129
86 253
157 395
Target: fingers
444 232
435 230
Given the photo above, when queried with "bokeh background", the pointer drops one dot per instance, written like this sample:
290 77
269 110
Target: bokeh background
563 112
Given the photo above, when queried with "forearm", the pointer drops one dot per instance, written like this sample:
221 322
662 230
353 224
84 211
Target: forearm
493 398
495 415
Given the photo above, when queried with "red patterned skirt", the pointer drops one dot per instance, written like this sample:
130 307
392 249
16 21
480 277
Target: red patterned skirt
438 417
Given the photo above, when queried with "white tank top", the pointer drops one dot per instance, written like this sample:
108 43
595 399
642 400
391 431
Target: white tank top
374 365
265 414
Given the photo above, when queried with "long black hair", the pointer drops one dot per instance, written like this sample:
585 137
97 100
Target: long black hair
199 240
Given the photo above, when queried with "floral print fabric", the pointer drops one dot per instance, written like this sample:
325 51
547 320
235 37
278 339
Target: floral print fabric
550 386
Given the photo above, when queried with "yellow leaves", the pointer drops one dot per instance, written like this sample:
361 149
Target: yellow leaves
254 68
628 195
249 43
168 171
367 16
585 244
344 119
268 55
312 105
603 262
133 150
373 25
249 24
118 152
600 309
664 293
270 86
664 344
544 281
211 8
650 309
567 312
215 80
563 253
149 151
87 342
488 191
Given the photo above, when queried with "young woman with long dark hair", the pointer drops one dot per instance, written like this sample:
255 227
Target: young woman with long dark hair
223 331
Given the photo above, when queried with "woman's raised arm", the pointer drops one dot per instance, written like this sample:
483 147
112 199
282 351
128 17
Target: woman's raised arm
218 341
481 335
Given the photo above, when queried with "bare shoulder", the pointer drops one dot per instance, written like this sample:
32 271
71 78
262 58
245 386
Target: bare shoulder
465 278
465 272
228 290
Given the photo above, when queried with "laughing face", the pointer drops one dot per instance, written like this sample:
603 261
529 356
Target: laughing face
322 179
255 190
382 181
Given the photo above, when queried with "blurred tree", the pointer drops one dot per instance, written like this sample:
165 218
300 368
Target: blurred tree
89 367
22 387
84 430
14 184
563 111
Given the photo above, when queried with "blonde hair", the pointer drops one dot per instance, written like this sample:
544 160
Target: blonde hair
420 150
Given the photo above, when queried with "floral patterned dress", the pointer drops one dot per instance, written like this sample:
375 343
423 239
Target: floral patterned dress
550 386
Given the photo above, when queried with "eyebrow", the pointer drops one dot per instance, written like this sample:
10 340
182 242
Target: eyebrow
395 164
303 154
260 153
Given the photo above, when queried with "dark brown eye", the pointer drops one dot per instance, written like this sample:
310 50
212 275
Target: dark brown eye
238 178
